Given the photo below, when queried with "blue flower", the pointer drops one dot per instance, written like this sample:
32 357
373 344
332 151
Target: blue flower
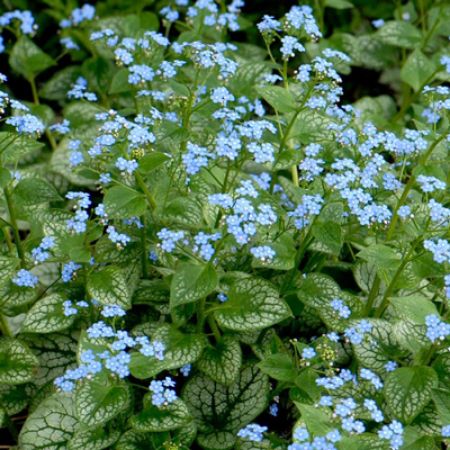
169 239
252 432
26 124
162 394
68 271
113 311
222 96
308 353
440 249
343 310
393 433
125 165
263 253
268 23
24 278
436 328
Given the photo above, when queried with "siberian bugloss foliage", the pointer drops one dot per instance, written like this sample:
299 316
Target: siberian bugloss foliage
206 243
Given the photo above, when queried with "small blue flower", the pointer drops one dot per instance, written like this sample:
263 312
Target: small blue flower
308 353
24 278
252 432
112 311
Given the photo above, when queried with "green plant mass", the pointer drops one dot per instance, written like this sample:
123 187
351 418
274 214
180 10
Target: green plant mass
224 224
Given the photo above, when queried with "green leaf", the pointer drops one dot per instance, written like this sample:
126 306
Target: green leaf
441 398
121 201
279 366
222 410
119 83
17 363
14 398
13 297
329 235
417 70
184 211
8 266
407 390
56 88
152 161
279 98
373 352
413 308
95 439
317 290
399 34
33 191
317 420
338 4
217 440
28 59
180 349
47 316
192 282
131 440
165 418
384 258
253 304
109 287
223 361
100 399
50 426
56 353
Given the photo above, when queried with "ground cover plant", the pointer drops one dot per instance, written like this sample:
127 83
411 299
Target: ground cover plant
225 225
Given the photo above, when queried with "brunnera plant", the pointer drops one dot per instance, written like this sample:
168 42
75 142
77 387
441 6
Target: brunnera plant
205 246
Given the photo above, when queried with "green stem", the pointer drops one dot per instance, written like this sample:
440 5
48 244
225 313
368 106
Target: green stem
214 328
141 183
48 133
14 226
4 327
201 314
34 91
374 290
8 240
389 290
144 249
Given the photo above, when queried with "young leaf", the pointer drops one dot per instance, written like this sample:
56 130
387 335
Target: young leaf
279 98
417 70
28 59
47 316
408 389
109 287
192 282
253 304
279 366
223 361
121 201
17 363
50 426
165 418
100 399
152 161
